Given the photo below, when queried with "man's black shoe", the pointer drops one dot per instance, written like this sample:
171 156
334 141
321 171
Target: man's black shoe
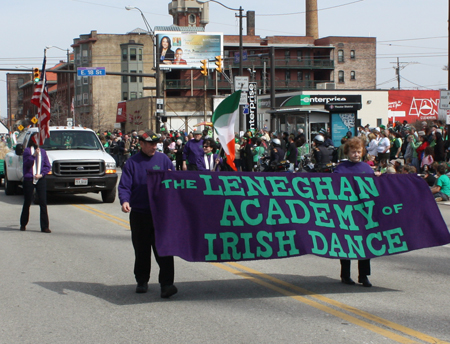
142 288
168 290
347 280
364 281
23 228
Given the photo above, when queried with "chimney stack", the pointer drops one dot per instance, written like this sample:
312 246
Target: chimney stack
312 21
250 23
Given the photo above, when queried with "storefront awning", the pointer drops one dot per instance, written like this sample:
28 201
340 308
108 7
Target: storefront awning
300 109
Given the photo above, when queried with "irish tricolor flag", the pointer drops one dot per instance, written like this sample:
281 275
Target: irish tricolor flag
223 120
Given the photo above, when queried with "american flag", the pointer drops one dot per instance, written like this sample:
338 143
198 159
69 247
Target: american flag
41 99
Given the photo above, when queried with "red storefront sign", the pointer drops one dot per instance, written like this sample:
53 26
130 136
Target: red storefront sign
413 105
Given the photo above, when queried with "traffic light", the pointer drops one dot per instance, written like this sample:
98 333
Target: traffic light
204 67
36 75
219 64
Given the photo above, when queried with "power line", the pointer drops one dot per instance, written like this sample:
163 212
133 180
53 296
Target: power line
412 39
321 9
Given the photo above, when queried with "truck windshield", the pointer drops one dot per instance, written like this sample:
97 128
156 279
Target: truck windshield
63 140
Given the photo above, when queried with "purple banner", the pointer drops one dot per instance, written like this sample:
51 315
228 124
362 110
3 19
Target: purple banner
228 216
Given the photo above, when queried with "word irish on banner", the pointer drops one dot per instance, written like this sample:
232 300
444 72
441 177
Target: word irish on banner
218 217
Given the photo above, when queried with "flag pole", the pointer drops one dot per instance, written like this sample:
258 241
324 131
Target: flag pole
40 96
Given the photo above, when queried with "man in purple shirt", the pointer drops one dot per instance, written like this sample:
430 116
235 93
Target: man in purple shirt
193 152
134 199
35 167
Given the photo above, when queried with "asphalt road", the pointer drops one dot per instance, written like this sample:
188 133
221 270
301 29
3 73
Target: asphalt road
76 285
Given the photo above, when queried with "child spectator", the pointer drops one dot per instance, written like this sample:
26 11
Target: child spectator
441 190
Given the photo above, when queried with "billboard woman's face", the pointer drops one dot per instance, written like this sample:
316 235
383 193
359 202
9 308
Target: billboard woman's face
165 43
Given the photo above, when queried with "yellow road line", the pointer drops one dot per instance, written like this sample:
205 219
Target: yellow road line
317 305
106 214
390 324
99 214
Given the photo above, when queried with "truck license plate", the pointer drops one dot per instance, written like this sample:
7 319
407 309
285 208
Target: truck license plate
81 181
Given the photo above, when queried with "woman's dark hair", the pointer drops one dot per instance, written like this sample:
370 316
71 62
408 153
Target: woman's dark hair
211 143
168 40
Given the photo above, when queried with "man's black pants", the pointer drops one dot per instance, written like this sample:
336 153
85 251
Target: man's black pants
143 238
363 268
41 189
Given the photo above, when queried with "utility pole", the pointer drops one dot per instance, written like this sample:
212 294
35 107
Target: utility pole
399 66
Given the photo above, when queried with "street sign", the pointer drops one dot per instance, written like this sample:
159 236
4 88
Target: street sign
445 100
243 100
91 71
244 56
69 122
159 105
241 83
34 120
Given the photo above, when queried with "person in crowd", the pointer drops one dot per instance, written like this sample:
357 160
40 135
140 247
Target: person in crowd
193 152
383 146
178 151
396 145
354 149
428 158
237 154
428 177
276 153
340 152
441 191
247 156
134 199
291 154
126 148
372 148
321 153
439 150
165 51
210 160
35 167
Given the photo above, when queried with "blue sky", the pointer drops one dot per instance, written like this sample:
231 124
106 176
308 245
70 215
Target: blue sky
414 31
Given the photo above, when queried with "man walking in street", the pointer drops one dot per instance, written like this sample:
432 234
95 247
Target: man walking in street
134 199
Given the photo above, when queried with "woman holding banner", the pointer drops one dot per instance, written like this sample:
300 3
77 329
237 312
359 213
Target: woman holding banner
354 149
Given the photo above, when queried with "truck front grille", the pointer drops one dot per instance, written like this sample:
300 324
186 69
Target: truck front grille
78 168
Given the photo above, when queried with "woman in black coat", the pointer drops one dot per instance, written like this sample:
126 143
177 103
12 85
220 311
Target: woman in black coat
439 151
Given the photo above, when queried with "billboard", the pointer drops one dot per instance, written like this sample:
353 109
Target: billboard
178 50
412 105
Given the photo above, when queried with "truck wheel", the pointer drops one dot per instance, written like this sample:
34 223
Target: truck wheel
109 196
10 187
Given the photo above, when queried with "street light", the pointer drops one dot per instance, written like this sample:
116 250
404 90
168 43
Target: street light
69 76
241 70
155 47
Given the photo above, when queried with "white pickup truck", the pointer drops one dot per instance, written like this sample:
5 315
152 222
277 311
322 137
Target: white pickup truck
79 162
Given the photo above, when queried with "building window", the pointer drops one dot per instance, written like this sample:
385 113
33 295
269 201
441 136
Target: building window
352 75
299 76
140 54
85 56
340 55
78 99
133 78
307 76
124 54
140 78
287 54
85 80
341 76
125 96
192 19
79 80
133 54
288 75
299 55
133 95
85 99
140 95
352 54
124 77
